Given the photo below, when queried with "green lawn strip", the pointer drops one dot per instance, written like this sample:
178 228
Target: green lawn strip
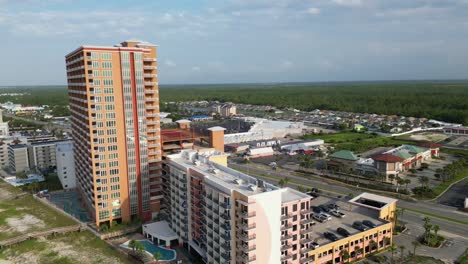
422 260
437 216
444 185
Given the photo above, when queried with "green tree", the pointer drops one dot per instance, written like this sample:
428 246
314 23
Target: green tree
391 177
427 228
393 250
415 244
132 244
344 254
281 183
402 251
157 256
372 245
358 250
139 248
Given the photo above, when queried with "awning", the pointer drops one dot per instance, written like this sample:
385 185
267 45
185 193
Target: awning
160 230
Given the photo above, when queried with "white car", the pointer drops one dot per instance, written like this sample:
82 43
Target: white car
337 213
326 215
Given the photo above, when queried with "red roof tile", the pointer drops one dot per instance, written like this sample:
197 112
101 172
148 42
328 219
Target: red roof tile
431 145
387 158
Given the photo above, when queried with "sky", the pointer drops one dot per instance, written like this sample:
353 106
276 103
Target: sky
237 41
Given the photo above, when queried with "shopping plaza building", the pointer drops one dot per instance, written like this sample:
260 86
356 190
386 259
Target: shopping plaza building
226 216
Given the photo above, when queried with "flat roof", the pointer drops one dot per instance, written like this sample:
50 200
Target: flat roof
353 213
160 230
291 195
216 128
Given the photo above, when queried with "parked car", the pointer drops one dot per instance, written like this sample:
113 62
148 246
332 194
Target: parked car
316 209
324 208
360 226
337 213
343 232
330 236
314 245
333 206
369 224
327 216
319 217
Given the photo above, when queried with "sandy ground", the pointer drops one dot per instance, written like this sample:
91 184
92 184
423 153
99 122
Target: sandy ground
25 223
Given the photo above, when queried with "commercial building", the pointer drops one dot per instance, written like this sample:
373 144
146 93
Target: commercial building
225 110
18 157
226 216
66 164
342 159
303 146
114 102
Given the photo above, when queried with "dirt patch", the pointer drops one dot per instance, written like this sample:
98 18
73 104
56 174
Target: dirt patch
25 223
85 256
29 257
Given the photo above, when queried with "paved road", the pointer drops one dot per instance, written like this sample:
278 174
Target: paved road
432 208
50 125
456 195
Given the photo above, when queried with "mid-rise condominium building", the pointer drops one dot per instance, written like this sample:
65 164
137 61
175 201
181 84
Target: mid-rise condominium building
226 216
114 104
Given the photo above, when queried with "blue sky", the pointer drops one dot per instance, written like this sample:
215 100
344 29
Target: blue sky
231 41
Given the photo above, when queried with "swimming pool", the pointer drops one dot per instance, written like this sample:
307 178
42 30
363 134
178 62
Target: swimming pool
150 248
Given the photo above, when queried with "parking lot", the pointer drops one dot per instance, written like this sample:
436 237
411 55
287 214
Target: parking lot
352 212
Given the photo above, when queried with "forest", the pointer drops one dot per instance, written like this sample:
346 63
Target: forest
442 101
446 101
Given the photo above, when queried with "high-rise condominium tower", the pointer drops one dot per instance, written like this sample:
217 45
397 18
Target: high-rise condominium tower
114 103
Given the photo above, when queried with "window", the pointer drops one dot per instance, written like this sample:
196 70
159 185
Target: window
294 207
109 90
106 56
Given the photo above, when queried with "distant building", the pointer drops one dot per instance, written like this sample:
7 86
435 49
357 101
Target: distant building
42 155
303 146
456 130
18 158
200 118
260 152
342 159
5 142
66 164
4 131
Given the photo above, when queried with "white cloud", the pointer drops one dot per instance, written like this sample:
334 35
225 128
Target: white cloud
348 2
170 63
196 68
313 11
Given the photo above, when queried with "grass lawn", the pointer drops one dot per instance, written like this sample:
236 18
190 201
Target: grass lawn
444 185
358 142
463 259
27 206
77 247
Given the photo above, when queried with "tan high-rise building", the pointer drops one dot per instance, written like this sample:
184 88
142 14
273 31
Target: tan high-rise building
114 103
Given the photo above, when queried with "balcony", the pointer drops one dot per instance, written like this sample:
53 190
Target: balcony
226 205
307 221
307 211
150 75
151 83
286 247
226 257
286 227
286 237
306 260
226 236
246 248
150 67
153 107
247 214
247 227
226 246
226 216
306 241
286 217
226 227
151 91
246 237
306 231
151 99
286 257
246 259
149 59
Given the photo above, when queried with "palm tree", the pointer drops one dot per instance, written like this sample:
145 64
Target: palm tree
436 229
372 245
393 249
286 181
139 248
407 181
424 180
427 228
344 255
281 183
415 244
402 250
157 256
358 250
132 244
387 240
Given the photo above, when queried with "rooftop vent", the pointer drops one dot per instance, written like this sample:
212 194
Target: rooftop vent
238 181
252 187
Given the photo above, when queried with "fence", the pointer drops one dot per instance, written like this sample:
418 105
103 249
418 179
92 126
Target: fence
45 233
